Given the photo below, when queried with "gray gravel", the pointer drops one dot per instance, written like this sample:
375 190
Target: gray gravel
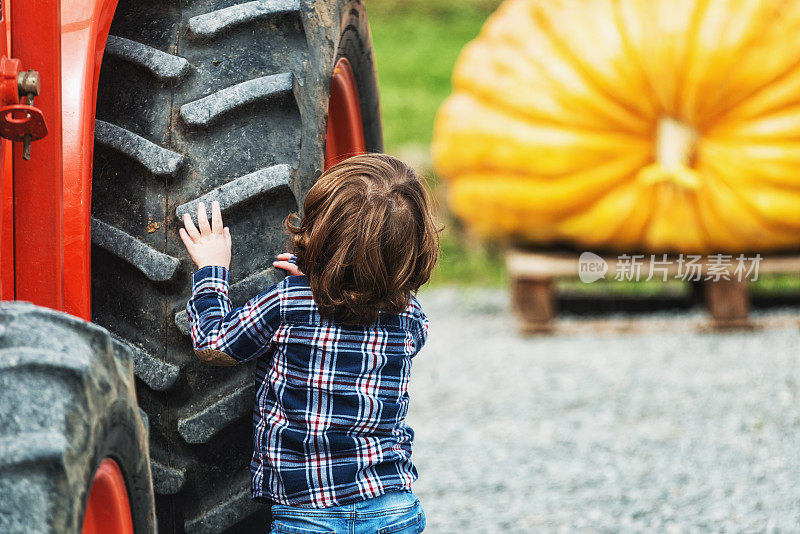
670 429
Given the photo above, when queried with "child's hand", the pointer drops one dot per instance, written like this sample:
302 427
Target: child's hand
212 244
286 265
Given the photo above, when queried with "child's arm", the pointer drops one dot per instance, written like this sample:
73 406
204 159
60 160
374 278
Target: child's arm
225 336
420 331
222 336
422 335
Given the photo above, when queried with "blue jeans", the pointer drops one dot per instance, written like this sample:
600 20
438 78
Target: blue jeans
396 512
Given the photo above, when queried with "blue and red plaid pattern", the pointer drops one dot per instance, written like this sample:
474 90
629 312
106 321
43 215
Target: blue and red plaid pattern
331 400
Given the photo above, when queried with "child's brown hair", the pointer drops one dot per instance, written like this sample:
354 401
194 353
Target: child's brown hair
367 239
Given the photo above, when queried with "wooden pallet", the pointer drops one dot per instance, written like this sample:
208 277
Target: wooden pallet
533 274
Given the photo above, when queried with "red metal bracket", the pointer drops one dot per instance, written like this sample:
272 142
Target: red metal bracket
19 120
38 187
9 81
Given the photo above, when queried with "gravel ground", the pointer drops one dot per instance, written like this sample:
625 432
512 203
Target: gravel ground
664 429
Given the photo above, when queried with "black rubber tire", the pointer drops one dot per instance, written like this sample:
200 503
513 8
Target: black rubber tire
164 140
67 401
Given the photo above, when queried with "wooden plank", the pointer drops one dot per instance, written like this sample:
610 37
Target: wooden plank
520 262
534 302
728 302
532 276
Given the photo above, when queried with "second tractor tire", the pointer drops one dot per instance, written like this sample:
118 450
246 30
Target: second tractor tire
67 404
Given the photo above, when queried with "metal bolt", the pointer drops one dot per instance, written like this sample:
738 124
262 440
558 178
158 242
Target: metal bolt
26 147
28 86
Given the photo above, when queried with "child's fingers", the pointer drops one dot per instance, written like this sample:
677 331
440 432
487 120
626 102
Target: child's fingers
216 218
190 227
187 241
228 240
286 266
285 256
202 219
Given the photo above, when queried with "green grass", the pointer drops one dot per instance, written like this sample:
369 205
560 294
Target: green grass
766 285
461 264
416 45
776 284
642 288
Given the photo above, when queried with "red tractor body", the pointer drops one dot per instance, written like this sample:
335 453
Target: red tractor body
46 240
46 245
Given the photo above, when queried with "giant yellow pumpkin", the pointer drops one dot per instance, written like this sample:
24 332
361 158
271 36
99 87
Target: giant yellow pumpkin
629 124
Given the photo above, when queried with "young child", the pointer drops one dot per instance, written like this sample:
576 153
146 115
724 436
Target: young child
334 343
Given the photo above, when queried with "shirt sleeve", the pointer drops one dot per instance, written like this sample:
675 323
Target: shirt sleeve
422 334
420 325
225 336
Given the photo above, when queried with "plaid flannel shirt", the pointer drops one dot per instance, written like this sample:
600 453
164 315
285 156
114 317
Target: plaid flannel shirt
331 400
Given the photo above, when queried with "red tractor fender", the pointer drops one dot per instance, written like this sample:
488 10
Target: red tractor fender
53 269
84 31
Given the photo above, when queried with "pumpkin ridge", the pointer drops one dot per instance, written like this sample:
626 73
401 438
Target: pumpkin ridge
793 69
598 109
602 180
745 130
743 200
571 227
496 104
747 202
567 54
633 53
691 34
751 43
722 214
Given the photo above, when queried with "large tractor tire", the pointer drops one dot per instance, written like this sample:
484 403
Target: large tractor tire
70 427
208 99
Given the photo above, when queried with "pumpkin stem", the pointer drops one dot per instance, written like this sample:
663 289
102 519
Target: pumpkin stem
676 144
676 147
